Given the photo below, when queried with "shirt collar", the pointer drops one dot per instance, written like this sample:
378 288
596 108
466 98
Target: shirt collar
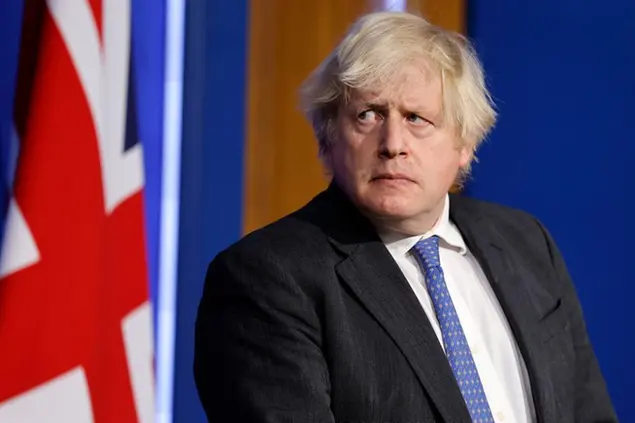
448 234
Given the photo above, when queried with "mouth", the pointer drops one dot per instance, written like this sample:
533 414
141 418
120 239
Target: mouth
396 177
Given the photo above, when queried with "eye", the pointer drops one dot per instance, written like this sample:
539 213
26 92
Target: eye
367 116
417 120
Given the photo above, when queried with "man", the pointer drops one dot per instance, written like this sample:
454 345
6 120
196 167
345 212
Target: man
386 299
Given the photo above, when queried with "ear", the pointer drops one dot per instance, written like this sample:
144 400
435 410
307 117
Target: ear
325 158
466 153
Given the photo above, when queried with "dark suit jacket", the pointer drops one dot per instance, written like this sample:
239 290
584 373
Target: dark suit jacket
311 320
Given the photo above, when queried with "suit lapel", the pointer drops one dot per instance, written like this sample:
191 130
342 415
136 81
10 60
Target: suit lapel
524 301
377 282
379 285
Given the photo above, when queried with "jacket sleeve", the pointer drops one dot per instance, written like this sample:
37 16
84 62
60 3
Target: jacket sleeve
258 355
592 400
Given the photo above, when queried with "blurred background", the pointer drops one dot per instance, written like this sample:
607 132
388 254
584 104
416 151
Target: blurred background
139 138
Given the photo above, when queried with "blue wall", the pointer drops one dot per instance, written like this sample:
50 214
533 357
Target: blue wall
212 171
563 76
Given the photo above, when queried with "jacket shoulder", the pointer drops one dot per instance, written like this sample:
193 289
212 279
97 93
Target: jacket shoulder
520 229
491 209
292 238
284 259
500 215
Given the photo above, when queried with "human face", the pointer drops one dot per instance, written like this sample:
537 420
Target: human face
393 155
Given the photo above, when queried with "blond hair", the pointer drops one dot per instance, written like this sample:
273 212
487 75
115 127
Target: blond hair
374 49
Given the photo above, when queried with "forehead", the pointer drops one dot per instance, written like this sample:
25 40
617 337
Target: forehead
412 86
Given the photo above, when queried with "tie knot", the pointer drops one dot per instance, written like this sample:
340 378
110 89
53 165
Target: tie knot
427 251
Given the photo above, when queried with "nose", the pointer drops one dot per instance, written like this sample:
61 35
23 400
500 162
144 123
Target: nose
392 138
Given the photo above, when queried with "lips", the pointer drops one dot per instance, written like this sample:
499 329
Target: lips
392 176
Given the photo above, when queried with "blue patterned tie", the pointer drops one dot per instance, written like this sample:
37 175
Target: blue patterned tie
456 346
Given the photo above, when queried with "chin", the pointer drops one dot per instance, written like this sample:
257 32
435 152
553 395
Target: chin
390 207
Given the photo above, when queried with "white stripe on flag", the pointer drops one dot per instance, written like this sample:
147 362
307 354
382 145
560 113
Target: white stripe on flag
139 355
20 250
65 399
77 25
104 79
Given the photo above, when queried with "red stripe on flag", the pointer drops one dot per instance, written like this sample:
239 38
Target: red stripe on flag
96 8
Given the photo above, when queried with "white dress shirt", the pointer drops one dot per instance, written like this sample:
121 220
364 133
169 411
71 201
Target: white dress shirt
496 354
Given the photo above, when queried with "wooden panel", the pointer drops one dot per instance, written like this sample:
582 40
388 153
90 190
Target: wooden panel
449 14
288 40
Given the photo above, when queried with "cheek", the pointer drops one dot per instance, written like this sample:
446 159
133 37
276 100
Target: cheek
439 162
353 153
342 160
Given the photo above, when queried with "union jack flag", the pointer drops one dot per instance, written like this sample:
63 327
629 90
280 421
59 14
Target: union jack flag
75 319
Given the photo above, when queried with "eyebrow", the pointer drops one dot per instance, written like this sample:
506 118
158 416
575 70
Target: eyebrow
383 106
368 101
376 105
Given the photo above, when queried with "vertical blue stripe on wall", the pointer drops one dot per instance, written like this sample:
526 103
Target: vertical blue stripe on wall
563 76
148 43
212 167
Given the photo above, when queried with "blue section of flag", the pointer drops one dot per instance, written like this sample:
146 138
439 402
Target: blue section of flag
148 54
132 134
10 26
